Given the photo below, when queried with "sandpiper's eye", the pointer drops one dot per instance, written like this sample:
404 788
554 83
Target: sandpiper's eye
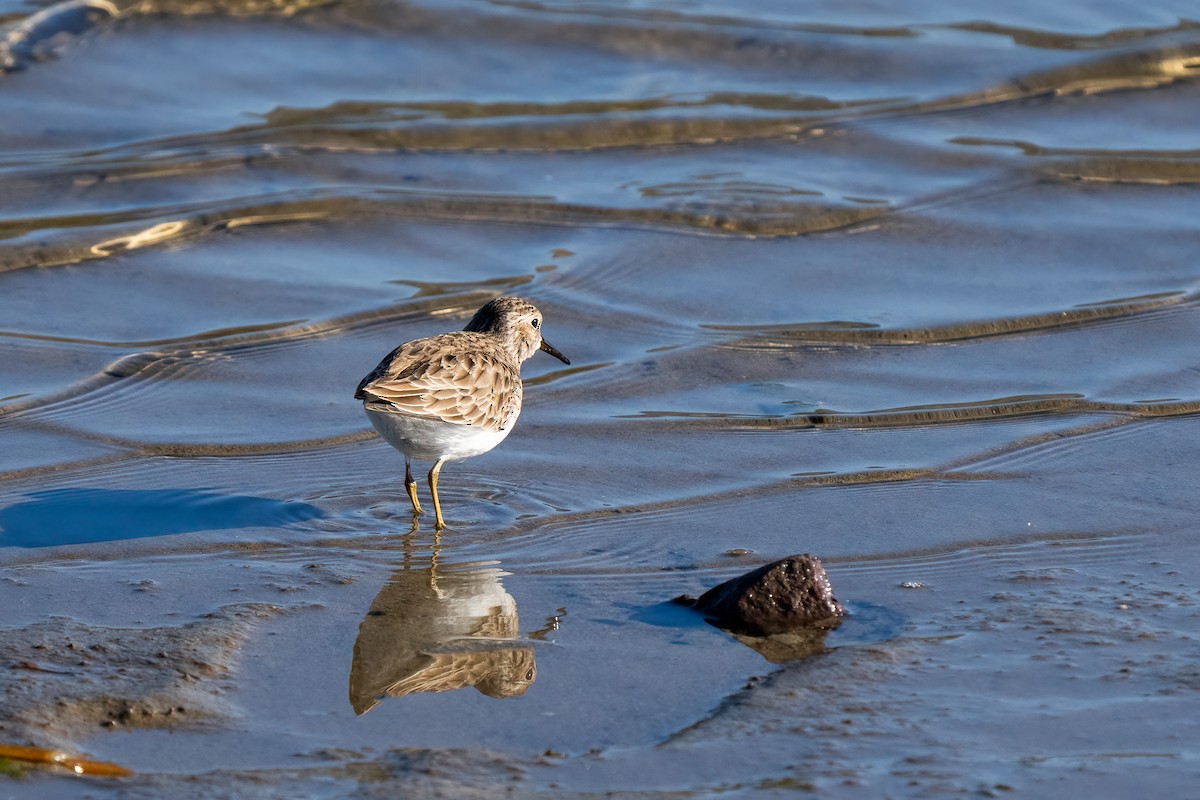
535 323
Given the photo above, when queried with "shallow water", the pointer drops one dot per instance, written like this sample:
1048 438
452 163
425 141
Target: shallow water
913 290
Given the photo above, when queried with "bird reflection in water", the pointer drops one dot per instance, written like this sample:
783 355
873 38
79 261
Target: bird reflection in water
435 628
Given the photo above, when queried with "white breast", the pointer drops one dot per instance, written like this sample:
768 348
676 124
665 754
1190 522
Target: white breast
428 440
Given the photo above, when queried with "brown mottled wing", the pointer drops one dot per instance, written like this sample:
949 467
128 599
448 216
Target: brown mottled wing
497 673
456 377
445 673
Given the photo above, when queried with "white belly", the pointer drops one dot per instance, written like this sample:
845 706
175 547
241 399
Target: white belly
430 440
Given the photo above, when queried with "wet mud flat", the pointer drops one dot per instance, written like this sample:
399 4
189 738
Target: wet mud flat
905 289
997 669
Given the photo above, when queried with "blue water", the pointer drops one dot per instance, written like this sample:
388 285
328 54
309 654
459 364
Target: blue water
80 516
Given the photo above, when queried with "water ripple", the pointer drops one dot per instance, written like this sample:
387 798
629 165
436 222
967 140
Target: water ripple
857 334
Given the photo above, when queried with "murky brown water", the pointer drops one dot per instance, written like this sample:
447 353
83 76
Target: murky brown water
913 290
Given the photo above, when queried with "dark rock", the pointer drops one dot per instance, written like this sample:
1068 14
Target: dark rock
790 594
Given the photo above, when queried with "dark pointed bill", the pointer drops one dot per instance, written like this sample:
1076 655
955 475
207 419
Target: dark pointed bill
552 350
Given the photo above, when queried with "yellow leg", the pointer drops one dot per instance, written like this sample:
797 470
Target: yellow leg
411 486
438 522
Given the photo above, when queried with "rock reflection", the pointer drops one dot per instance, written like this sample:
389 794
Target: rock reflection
436 628
792 646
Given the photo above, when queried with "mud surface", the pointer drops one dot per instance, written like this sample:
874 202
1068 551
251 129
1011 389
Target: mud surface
65 680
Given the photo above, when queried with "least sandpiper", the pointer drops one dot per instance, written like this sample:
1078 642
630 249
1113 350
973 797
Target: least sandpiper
455 395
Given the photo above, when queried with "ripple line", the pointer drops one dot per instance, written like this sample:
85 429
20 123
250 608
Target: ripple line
72 240
915 416
859 334
137 448
993 555
1151 167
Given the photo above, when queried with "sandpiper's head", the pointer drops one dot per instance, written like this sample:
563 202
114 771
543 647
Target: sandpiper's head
518 322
